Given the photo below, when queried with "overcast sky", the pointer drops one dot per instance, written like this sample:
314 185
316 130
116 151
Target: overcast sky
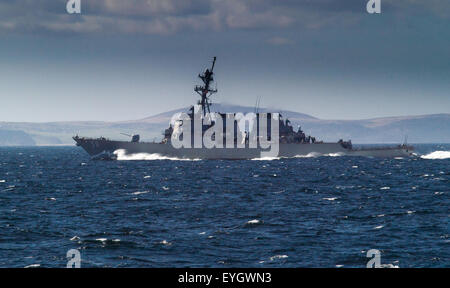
123 60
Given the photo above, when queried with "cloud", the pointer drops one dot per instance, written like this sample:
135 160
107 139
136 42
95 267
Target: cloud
441 8
172 16
279 41
149 8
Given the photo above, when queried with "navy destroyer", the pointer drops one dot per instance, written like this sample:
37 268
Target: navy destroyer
290 143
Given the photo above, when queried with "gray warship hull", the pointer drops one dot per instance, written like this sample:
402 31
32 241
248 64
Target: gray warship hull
107 149
291 143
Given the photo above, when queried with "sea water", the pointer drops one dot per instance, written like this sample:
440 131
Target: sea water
144 211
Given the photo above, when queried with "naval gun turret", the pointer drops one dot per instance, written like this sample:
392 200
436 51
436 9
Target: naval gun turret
134 138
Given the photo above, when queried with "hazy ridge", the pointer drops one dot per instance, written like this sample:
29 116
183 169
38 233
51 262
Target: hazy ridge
433 128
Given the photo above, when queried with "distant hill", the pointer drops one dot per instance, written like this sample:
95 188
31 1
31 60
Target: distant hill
223 108
15 138
419 129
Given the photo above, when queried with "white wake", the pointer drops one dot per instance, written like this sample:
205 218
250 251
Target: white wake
316 154
122 155
309 155
437 155
266 159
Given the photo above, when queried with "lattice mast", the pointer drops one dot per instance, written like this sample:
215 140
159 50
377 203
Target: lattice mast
205 91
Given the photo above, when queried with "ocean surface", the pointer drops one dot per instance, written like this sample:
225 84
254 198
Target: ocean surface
302 212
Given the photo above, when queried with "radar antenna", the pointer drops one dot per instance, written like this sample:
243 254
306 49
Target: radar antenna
405 140
258 100
205 91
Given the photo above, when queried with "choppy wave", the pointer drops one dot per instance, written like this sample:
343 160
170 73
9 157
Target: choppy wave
122 155
33 266
221 202
139 192
437 155
277 257
254 221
